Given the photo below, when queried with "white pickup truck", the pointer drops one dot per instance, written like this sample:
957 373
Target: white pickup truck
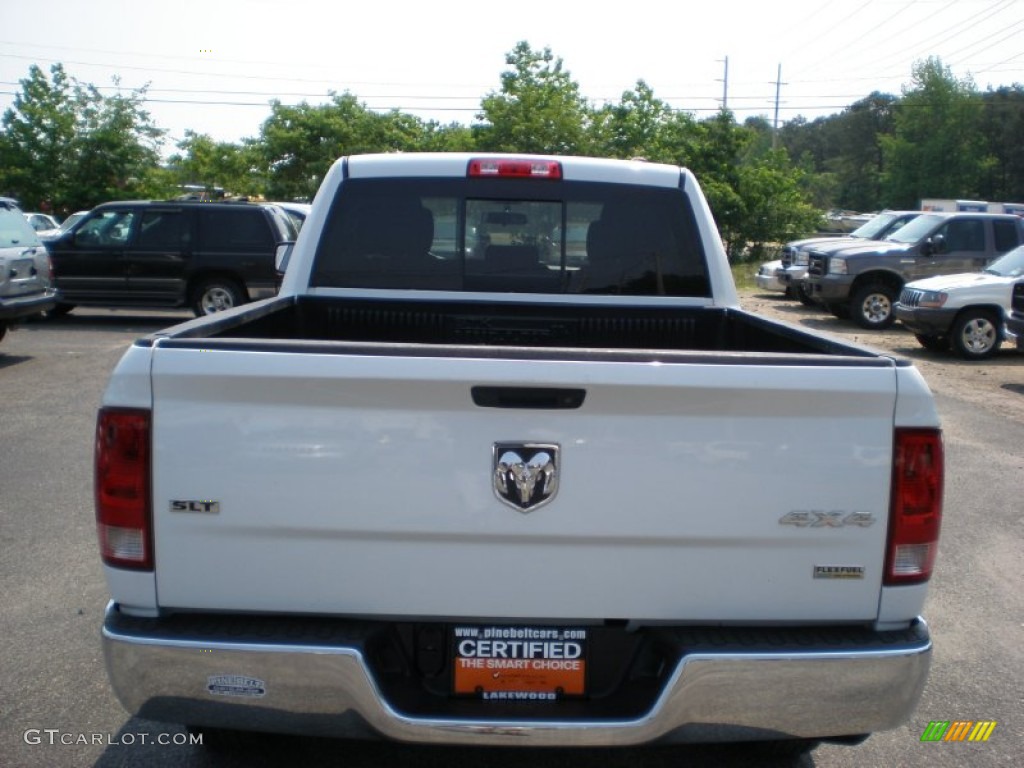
506 463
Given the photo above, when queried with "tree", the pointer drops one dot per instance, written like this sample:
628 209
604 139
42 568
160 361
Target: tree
937 147
1002 126
632 128
37 131
774 208
115 150
66 146
234 167
859 163
712 149
299 144
539 108
453 137
842 154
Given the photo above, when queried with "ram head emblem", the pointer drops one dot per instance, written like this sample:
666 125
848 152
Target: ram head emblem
525 475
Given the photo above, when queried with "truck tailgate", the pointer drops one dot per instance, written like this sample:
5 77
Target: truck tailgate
363 485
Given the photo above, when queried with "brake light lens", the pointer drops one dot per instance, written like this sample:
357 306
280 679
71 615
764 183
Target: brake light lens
122 480
511 168
915 513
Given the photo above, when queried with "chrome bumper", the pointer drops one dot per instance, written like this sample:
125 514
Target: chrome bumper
319 683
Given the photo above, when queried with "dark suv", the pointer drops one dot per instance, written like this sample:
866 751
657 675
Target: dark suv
207 256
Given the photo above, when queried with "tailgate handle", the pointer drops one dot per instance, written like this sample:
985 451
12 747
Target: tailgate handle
539 398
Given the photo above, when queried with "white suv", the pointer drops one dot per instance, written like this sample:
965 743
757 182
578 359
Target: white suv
967 311
26 283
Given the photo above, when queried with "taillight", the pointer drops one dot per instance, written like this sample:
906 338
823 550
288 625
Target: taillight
915 511
512 168
123 514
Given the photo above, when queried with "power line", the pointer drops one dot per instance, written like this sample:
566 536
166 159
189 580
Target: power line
907 40
956 29
1007 34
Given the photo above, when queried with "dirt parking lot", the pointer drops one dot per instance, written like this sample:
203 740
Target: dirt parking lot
996 384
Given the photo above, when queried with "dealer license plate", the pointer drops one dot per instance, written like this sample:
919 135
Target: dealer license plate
512 663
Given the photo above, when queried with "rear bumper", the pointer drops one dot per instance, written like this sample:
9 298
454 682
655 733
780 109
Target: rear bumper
768 282
313 676
25 306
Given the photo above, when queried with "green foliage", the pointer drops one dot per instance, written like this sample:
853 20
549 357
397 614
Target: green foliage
774 208
115 146
845 149
298 145
538 109
65 146
1002 126
37 130
234 167
632 128
936 148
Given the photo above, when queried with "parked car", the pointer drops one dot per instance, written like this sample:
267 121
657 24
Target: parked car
68 223
41 222
966 311
864 281
767 277
26 287
793 272
205 255
297 212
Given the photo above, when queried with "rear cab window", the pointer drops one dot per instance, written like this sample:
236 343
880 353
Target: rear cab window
511 235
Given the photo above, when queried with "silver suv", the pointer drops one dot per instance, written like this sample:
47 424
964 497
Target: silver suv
26 285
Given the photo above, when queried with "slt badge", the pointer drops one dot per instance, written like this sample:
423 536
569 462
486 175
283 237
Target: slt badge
525 475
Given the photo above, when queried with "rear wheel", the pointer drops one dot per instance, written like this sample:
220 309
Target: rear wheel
976 335
216 294
933 343
871 306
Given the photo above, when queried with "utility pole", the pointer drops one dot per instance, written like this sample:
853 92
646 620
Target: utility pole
725 86
778 88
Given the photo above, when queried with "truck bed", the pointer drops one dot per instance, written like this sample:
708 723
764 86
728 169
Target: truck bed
488 328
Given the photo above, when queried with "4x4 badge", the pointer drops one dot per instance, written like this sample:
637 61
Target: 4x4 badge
525 475
816 518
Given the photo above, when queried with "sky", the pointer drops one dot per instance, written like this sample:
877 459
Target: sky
213 66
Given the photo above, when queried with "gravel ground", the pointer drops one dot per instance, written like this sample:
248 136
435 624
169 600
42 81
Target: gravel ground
996 384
